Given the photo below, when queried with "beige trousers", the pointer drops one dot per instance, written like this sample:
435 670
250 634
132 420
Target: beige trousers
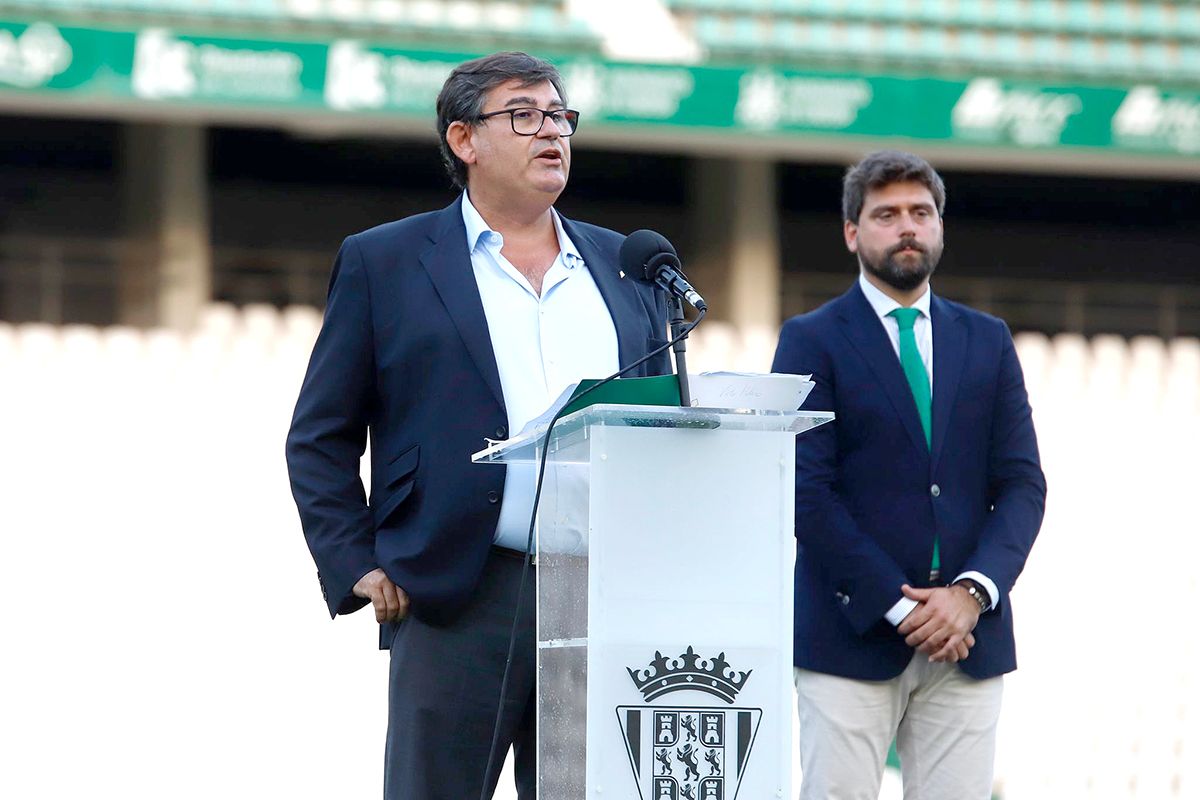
943 721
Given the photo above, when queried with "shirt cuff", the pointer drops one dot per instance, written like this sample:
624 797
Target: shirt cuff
986 583
898 612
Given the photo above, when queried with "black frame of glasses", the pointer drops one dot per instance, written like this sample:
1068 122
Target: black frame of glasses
512 120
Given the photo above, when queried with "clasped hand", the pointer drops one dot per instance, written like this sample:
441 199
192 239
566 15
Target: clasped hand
941 624
390 601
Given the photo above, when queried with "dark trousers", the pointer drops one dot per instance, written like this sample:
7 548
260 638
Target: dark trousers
444 690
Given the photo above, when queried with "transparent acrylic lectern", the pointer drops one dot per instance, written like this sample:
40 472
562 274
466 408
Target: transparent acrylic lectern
665 551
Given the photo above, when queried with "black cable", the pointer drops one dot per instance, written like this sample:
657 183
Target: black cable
537 494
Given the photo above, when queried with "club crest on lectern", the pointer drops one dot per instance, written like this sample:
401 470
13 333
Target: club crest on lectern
688 752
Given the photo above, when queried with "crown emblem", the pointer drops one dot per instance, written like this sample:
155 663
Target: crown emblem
689 671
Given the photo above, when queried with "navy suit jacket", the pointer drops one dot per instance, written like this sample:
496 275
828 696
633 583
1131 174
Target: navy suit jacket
866 507
404 356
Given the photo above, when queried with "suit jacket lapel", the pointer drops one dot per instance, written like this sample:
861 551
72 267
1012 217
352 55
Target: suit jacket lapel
448 262
620 295
864 330
949 355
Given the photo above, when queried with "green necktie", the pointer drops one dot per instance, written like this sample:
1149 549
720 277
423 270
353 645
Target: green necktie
914 367
918 383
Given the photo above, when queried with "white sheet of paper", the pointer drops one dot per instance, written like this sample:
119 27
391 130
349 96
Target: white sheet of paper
758 391
544 417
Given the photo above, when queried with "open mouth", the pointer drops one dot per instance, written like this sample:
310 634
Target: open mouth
552 156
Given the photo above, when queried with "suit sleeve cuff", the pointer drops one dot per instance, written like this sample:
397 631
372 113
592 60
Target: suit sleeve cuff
983 580
898 612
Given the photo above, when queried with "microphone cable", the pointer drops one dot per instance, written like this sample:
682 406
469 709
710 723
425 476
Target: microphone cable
537 494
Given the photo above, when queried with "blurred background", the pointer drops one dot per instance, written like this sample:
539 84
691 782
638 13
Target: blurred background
176 175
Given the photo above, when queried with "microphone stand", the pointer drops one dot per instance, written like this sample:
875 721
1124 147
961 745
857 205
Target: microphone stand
678 332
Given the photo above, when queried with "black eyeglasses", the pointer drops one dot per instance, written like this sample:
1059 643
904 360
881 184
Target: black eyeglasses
528 121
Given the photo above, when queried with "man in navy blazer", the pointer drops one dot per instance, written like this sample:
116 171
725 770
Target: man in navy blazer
443 330
915 510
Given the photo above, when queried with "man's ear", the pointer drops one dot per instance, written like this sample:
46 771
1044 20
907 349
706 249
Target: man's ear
458 136
850 232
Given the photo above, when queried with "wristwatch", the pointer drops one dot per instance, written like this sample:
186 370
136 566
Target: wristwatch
977 593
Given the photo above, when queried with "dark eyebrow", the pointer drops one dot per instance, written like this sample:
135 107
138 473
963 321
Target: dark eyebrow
529 101
895 208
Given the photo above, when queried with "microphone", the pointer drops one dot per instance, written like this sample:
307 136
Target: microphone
649 257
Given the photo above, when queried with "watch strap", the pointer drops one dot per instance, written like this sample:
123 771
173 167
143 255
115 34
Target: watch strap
977 593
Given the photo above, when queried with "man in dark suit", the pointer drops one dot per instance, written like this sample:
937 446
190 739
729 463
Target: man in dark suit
915 510
441 330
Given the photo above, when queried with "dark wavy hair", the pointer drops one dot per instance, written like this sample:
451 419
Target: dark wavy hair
463 93
883 168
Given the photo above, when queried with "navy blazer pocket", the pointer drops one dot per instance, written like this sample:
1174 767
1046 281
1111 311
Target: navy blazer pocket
397 484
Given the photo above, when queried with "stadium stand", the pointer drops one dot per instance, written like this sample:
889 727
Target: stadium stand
456 24
1089 39
188 428
1076 38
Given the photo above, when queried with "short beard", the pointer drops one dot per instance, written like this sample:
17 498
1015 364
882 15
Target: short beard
899 277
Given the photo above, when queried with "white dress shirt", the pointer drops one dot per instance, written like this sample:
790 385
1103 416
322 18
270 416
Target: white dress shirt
542 345
923 331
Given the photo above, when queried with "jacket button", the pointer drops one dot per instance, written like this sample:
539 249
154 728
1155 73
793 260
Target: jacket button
502 432
845 599
935 490
493 497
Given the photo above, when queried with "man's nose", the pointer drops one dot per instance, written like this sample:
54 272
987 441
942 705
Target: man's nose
548 130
